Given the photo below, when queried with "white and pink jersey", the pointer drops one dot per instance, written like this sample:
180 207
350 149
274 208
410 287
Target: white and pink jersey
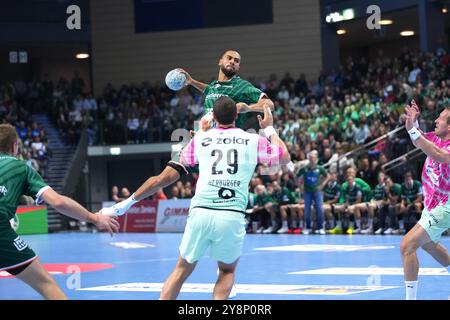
436 176
227 159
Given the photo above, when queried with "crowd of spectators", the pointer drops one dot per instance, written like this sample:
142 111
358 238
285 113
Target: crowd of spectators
33 146
340 111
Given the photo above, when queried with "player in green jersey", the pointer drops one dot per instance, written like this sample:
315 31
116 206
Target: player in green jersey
17 179
247 97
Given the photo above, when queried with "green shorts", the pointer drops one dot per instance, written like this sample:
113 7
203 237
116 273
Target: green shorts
436 221
14 251
221 231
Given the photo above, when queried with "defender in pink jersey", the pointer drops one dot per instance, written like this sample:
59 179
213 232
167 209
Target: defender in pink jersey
435 219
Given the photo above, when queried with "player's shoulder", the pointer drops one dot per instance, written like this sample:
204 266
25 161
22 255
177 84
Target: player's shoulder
243 81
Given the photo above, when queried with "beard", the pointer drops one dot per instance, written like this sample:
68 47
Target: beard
227 73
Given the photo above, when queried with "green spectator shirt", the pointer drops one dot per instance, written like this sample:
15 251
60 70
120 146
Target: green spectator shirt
331 191
379 192
262 200
284 196
350 195
410 194
365 188
311 177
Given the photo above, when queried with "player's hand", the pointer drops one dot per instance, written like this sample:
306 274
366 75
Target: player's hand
242 107
409 122
206 122
268 118
188 76
108 223
116 210
415 109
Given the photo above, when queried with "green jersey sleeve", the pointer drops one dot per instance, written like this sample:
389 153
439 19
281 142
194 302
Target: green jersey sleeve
251 94
34 185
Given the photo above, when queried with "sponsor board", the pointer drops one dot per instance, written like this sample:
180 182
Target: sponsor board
141 217
247 288
373 271
324 248
172 215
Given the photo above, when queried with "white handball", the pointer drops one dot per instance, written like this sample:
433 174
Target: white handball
175 80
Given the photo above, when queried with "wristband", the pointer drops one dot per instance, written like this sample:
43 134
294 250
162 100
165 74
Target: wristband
119 208
416 124
269 131
414 134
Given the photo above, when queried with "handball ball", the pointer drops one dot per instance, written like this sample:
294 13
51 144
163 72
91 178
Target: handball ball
175 80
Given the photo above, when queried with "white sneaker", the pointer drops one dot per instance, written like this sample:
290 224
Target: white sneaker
260 230
367 231
233 292
268 230
388 231
322 231
379 231
283 230
306 231
398 231
356 231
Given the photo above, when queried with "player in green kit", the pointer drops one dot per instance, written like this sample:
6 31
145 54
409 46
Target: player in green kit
17 179
247 97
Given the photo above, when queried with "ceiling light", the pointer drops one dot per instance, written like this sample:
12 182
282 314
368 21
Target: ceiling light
407 33
341 31
444 10
386 22
82 55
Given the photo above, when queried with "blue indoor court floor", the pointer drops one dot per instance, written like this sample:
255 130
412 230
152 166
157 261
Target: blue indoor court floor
288 267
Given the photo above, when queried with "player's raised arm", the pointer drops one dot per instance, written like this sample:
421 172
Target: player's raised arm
267 125
73 209
419 140
200 86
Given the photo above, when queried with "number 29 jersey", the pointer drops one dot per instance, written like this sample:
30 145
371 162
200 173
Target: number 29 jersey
227 159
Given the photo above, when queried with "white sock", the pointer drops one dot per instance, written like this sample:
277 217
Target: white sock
339 224
285 224
401 224
274 223
411 289
301 224
358 223
370 223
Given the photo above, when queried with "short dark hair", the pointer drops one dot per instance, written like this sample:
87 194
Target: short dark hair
225 110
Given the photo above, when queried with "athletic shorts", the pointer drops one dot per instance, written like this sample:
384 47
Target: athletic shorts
435 221
14 251
221 231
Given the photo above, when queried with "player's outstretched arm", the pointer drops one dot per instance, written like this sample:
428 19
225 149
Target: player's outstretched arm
73 209
200 86
168 176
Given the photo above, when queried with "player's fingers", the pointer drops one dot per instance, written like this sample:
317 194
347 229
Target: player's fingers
115 227
260 121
